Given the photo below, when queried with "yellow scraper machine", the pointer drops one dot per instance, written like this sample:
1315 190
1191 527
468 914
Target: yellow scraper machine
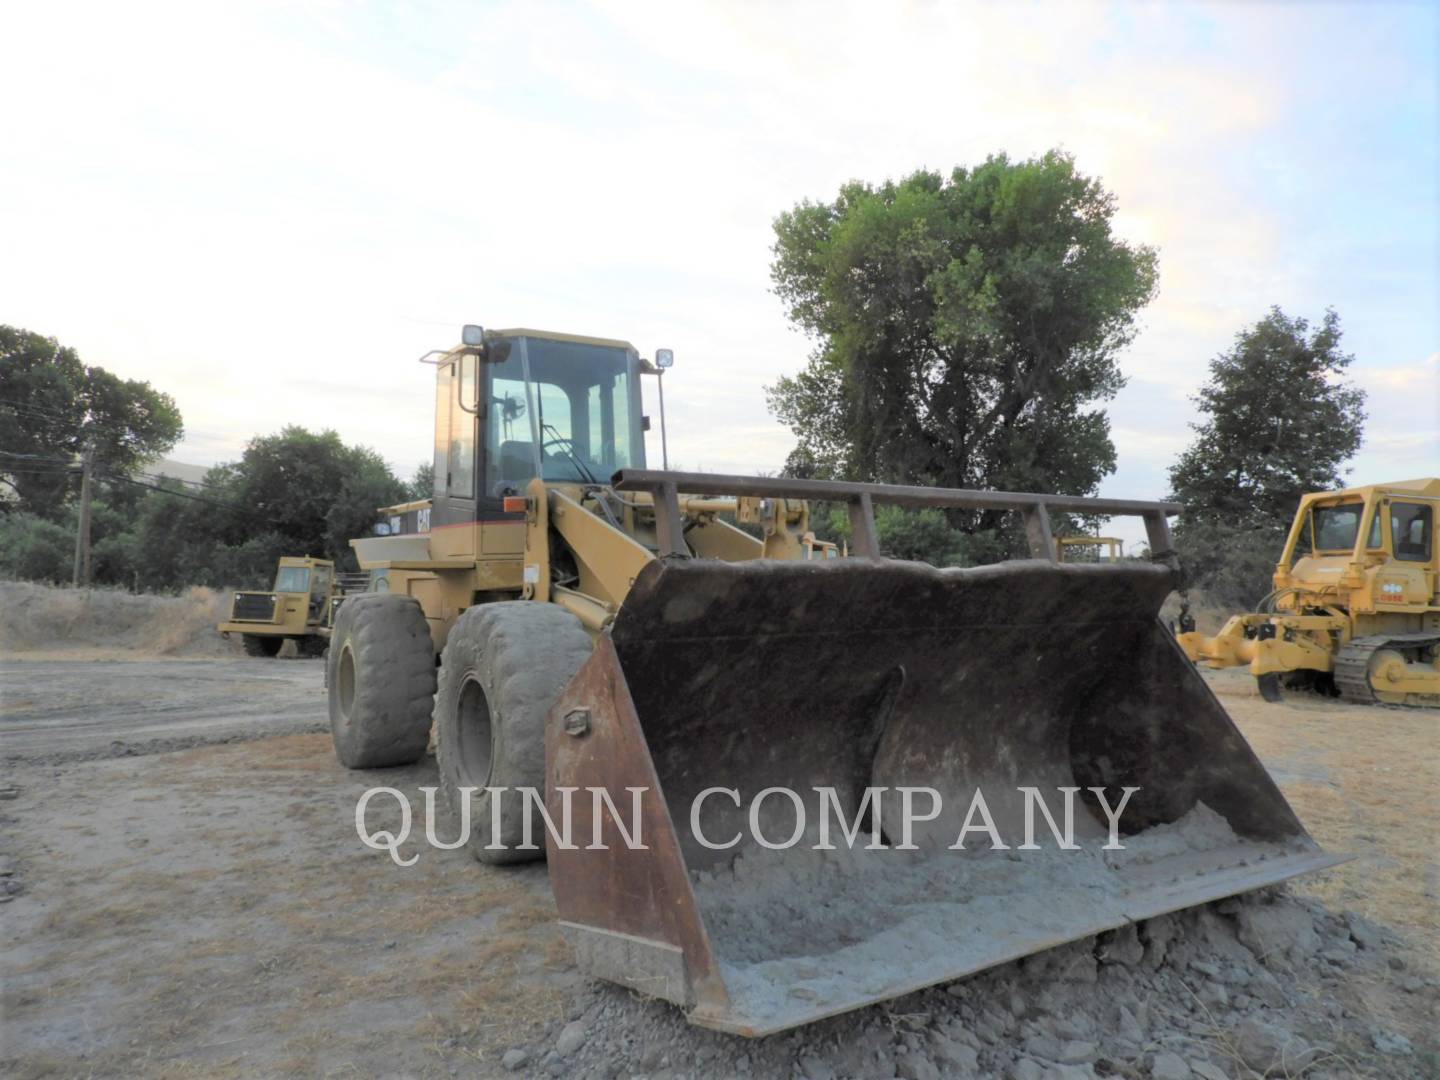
602 626
300 608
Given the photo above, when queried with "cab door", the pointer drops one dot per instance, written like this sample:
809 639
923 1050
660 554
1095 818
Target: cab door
1409 577
319 594
452 521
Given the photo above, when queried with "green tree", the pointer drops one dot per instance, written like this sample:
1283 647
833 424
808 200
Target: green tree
965 327
422 484
34 549
368 485
52 406
1279 420
308 489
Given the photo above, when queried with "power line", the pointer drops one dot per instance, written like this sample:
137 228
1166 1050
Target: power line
41 410
85 421
35 457
186 495
201 484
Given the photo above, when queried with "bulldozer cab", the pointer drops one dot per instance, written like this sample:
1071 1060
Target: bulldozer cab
1355 538
527 404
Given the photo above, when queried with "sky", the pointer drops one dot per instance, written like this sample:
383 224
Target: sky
271 211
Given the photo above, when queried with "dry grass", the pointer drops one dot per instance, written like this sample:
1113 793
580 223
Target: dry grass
1363 780
41 621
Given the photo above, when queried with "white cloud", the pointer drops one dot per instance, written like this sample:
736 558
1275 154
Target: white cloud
1423 376
250 205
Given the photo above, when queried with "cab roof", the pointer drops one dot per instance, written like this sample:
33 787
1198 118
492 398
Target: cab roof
579 339
1424 486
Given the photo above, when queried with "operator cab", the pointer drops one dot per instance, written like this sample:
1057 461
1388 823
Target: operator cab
1392 524
311 579
512 405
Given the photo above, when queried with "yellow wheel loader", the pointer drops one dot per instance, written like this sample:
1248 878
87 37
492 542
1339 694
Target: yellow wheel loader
602 629
1355 609
299 608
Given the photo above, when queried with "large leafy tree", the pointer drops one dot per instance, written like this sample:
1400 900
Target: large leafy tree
422 484
1279 420
309 490
52 406
966 326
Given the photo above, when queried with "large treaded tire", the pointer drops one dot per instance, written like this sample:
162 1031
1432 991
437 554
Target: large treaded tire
504 666
261 645
381 679
311 647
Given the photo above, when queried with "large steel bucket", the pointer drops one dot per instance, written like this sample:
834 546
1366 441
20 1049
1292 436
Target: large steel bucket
864 674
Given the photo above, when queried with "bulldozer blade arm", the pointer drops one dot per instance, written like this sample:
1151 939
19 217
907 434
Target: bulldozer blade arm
876 689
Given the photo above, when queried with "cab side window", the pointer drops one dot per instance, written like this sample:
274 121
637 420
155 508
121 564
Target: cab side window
1411 530
509 449
461 463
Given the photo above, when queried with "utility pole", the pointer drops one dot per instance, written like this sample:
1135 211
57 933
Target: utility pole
81 575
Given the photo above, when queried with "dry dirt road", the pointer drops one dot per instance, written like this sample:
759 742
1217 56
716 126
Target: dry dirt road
209 911
69 710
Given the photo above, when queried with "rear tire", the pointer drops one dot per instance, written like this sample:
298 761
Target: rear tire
381 679
261 645
311 647
504 666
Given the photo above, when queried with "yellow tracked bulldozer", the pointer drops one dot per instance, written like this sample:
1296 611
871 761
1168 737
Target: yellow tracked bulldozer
602 627
1356 604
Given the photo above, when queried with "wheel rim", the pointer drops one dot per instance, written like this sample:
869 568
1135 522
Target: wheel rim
345 681
475 732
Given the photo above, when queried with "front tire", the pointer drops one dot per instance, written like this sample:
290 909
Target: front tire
381 679
261 645
504 666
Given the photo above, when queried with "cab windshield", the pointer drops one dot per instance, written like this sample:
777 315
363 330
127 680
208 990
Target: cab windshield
1334 529
293 579
579 409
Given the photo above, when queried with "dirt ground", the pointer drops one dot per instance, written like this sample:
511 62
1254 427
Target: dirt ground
65 706
210 912
1364 780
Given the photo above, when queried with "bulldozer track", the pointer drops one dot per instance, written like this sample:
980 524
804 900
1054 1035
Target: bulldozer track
1352 663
